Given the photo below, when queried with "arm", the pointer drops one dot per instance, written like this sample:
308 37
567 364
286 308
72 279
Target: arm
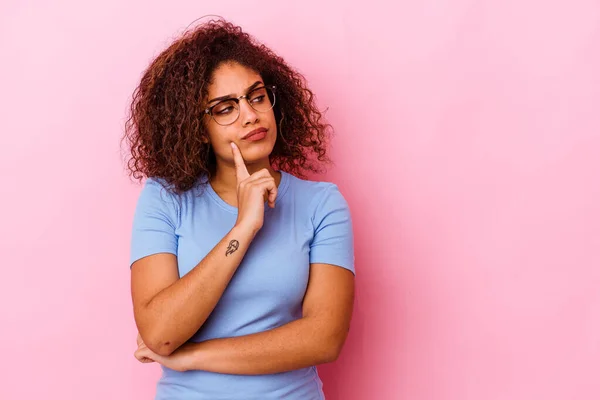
169 310
315 338
319 335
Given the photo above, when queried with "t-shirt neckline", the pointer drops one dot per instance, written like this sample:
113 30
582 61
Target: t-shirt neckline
281 190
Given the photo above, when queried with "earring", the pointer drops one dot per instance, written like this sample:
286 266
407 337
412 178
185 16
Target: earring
281 131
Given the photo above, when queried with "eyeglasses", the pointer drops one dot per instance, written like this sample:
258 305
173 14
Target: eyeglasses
227 111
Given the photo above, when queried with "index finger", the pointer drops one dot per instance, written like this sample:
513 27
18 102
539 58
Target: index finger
241 171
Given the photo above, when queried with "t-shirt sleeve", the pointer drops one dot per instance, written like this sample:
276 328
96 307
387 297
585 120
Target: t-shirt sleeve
333 241
154 222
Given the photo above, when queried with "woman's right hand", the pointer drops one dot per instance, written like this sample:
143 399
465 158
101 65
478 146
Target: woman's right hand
252 192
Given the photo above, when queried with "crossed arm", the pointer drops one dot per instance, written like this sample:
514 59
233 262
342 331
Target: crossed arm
317 337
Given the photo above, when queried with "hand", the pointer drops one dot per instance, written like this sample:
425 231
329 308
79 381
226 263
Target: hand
179 360
252 192
140 344
142 352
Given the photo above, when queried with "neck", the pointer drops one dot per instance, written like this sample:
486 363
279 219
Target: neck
224 181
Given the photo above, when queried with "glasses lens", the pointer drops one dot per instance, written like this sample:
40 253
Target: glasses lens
226 112
262 99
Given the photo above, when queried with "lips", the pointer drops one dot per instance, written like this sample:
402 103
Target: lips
257 131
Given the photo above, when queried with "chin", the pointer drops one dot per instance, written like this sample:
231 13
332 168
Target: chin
257 151
257 155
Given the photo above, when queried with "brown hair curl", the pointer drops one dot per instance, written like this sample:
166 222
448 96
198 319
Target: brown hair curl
165 132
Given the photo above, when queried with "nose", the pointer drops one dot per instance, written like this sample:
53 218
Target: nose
248 114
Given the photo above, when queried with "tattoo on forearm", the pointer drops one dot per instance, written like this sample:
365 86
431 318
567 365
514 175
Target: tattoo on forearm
233 246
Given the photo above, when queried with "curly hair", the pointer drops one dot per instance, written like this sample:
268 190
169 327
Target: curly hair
165 131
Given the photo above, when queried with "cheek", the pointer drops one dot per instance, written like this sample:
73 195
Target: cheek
220 139
216 133
272 117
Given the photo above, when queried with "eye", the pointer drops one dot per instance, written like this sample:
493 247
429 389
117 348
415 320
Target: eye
258 99
224 108
223 111
257 96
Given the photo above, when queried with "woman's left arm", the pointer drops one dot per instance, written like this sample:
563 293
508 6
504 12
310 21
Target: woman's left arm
315 338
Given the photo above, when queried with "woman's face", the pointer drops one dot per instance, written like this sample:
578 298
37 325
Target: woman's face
232 80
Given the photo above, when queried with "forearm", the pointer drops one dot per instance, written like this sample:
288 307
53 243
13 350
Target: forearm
298 344
177 312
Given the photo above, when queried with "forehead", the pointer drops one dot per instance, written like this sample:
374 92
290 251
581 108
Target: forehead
231 78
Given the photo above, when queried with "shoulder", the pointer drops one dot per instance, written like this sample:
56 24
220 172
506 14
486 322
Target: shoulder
157 196
160 188
155 186
316 194
156 190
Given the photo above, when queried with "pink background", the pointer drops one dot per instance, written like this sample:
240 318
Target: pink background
467 146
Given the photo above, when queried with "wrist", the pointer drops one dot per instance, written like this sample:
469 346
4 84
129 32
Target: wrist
193 357
244 230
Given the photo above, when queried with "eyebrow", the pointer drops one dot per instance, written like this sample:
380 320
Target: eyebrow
255 84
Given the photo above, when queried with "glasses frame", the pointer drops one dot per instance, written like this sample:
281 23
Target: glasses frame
237 100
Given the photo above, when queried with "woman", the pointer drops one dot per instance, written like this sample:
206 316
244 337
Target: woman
242 272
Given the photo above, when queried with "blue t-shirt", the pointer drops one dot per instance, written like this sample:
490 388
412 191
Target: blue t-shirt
310 223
